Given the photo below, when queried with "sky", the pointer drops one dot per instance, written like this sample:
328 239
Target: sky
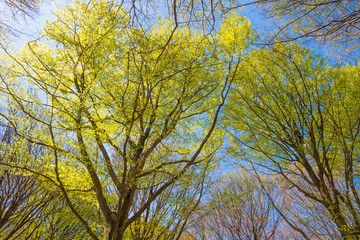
30 26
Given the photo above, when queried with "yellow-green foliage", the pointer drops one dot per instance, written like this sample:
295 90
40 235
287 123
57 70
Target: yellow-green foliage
95 79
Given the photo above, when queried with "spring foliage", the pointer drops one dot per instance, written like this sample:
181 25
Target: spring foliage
117 107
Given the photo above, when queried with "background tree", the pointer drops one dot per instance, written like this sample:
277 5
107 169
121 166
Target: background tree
297 112
329 21
237 208
168 217
308 215
27 209
14 9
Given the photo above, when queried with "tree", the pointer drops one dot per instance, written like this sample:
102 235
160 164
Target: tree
168 217
12 9
27 209
334 21
296 116
21 6
237 209
120 108
302 217
309 216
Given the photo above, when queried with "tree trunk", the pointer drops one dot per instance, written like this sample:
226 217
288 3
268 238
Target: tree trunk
109 231
114 230
110 228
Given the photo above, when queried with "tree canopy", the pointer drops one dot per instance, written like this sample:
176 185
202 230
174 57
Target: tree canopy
297 115
119 109
119 124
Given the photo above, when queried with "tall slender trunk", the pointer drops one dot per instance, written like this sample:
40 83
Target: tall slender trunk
110 228
109 231
114 229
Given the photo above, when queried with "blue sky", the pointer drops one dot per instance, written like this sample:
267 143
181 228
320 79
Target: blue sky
263 25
